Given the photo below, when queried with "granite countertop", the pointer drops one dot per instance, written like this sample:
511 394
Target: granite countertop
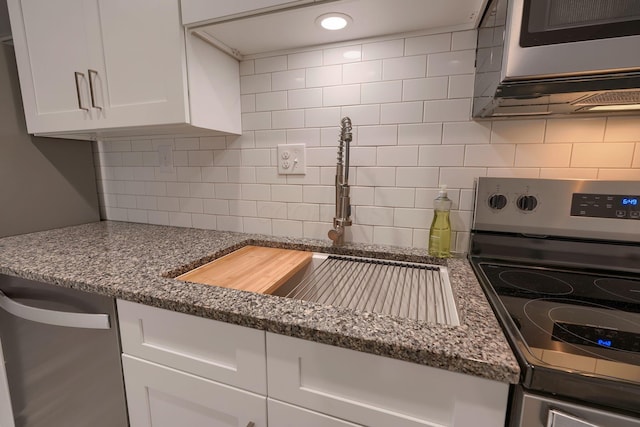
135 262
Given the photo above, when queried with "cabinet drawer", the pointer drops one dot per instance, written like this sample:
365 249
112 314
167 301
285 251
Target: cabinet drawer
284 415
378 391
158 396
227 353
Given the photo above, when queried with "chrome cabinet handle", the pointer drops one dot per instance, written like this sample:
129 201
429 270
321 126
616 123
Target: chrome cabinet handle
91 89
52 317
251 424
78 74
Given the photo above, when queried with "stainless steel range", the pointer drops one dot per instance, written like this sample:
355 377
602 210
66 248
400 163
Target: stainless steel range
559 261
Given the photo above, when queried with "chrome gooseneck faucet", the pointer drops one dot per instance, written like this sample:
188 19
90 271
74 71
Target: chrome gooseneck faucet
343 201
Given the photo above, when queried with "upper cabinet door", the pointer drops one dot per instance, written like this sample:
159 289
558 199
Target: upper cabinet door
52 53
205 10
145 66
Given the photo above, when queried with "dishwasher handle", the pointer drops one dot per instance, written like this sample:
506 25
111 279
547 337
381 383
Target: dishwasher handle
52 317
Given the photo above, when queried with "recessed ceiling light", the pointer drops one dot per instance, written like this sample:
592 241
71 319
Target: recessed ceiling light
333 21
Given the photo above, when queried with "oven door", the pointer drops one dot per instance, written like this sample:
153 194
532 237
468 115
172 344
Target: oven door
533 410
559 38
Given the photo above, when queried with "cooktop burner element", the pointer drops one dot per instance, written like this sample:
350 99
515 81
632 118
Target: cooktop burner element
535 282
621 288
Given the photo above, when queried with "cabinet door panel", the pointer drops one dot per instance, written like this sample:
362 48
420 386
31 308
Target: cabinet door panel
284 415
158 396
227 353
6 412
51 45
145 63
378 391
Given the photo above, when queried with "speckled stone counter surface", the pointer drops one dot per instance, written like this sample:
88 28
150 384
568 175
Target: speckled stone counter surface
135 262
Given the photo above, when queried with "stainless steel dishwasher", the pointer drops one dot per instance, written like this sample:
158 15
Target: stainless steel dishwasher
62 356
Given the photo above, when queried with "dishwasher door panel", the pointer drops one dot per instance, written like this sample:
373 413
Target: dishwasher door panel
61 375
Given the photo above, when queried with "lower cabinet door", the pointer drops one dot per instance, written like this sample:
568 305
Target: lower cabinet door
159 396
284 415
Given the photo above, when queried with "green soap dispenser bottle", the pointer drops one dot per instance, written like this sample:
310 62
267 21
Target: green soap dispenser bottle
440 232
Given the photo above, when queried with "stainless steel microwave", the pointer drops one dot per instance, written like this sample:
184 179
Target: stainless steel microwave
538 57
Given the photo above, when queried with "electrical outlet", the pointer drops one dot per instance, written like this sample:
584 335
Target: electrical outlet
292 159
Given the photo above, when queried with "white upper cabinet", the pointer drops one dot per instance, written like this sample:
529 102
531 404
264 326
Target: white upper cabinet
116 68
197 10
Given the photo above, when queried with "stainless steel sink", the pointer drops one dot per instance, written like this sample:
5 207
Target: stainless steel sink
408 290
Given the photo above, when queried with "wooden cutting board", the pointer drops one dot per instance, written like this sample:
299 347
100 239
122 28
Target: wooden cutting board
251 268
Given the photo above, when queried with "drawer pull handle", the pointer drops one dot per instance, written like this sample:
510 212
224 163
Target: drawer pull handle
77 74
251 424
92 90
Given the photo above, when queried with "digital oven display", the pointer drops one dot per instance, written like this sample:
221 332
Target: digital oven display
605 206
596 336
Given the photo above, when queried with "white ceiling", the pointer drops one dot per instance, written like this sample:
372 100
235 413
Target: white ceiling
296 28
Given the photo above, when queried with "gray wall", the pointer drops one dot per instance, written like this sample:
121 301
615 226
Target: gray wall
44 182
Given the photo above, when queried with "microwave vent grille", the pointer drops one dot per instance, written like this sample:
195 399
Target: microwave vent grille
611 98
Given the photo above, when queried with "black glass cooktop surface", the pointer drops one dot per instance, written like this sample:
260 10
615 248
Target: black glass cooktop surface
589 323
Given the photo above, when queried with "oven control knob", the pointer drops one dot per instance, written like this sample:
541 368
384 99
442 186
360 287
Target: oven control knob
527 203
497 201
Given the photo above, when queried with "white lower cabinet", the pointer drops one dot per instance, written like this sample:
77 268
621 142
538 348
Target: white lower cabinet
378 391
184 370
285 415
6 413
159 396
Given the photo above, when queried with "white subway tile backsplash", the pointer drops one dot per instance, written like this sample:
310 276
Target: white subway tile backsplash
409 67
575 130
381 50
419 134
543 155
416 177
401 112
451 63
362 115
622 129
409 100
424 89
286 193
461 86
320 117
362 72
305 59
376 176
324 76
462 40
305 98
496 155
604 155
287 228
466 133
377 135
341 95
342 55
392 236
441 155
375 93
255 84
271 101
373 215
256 121
288 119
270 64
518 131
395 197
449 110
397 156
285 80
428 44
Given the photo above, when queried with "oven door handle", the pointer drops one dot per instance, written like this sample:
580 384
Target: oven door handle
560 419
52 317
